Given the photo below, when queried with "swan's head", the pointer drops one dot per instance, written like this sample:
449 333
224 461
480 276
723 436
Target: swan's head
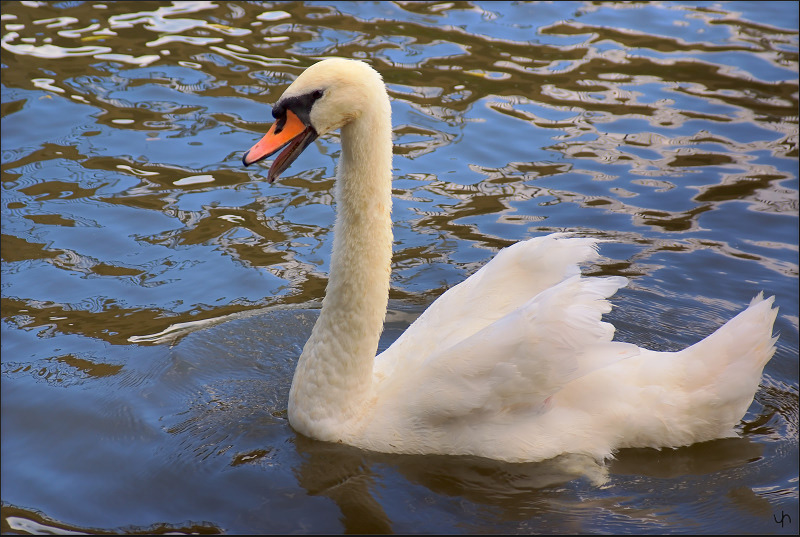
326 96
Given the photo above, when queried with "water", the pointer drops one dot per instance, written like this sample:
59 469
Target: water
669 128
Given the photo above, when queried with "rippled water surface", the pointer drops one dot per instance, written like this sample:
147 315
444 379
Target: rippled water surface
668 128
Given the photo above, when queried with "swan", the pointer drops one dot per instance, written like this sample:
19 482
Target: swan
514 363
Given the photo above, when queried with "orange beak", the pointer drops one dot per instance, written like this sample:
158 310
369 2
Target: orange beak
288 131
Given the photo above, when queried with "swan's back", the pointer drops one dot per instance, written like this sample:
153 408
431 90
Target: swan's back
515 379
490 353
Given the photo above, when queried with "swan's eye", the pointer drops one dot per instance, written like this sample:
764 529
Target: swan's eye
317 94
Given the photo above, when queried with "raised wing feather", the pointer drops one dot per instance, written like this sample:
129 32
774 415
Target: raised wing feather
516 362
514 276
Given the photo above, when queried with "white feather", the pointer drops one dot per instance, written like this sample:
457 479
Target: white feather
515 362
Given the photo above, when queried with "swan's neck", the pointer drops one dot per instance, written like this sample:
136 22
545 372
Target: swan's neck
333 379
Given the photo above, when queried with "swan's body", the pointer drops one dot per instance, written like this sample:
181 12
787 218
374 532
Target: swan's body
514 363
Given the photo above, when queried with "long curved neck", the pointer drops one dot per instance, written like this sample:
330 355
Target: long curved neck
333 378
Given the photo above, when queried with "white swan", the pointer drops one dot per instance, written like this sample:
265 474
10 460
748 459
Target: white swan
512 364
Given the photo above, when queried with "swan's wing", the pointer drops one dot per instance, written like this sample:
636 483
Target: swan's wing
515 363
514 276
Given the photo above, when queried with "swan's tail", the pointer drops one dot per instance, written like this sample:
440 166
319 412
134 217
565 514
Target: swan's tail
743 343
724 370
